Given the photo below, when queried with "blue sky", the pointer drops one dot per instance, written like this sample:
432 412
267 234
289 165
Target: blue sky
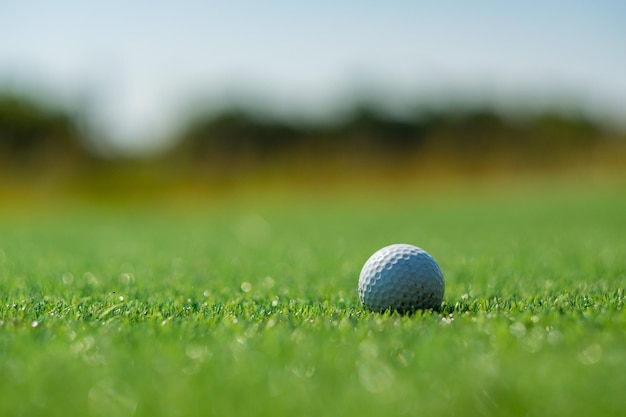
135 65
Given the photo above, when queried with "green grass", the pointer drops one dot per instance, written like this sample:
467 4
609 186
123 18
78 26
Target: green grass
249 307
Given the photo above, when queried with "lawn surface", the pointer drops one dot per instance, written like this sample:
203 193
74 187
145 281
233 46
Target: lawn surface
249 307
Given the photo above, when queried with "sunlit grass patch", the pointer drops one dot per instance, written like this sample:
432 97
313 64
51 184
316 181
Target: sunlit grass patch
251 308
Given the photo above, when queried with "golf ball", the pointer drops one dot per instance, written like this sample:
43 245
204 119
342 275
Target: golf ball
401 277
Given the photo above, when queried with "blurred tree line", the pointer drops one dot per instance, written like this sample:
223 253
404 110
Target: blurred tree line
37 139
33 135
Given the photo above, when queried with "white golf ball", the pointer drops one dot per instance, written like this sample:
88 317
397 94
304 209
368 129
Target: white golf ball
401 277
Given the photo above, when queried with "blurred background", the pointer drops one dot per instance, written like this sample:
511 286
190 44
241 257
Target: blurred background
190 99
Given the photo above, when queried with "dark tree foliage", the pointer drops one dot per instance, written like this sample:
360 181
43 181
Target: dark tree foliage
371 129
235 133
32 134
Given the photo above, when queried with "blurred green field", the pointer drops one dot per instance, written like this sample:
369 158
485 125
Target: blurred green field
249 306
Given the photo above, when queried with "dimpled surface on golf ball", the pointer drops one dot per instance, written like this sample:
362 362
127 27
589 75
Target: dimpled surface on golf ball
401 277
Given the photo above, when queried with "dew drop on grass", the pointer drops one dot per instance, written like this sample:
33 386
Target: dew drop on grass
447 320
302 370
82 345
297 336
405 357
67 278
198 353
535 341
591 355
112 398
375 376
268 282
90 278
126 278
554 337
517 329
